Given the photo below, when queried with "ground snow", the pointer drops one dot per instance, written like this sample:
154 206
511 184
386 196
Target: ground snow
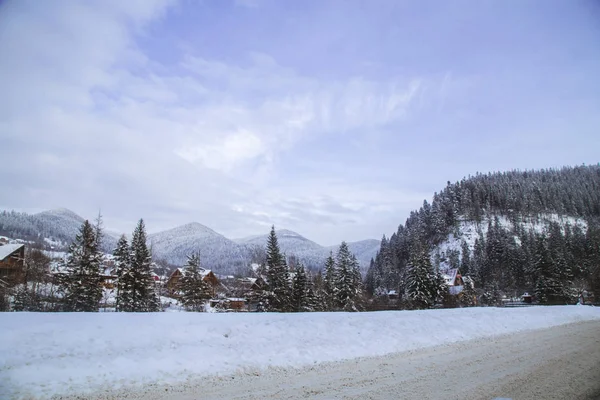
76 353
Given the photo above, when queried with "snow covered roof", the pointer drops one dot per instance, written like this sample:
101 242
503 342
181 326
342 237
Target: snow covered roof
7 249
450 276
203 272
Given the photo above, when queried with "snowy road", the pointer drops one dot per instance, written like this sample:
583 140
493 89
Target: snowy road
561 362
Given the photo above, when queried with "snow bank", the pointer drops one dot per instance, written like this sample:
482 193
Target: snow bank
68 353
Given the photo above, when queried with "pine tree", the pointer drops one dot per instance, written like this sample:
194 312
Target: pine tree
329 283
277 275
81 282
465 261
99 231
300 290
311 302
22 300
124 286
348 280
424 285
143 291
194 290
549 288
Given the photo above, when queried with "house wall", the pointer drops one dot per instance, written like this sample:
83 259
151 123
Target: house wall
12 268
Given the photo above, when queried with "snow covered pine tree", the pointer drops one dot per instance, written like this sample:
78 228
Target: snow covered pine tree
277 275
81 281
193 289
143 296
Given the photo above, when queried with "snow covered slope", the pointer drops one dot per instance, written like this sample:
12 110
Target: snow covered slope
77 353
216 251
59 227
55 228
312 254
469 230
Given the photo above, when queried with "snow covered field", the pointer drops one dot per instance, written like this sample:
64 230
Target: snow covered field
46 354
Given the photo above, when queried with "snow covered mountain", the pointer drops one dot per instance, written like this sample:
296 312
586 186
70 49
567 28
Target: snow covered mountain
216 251
313 254
57 228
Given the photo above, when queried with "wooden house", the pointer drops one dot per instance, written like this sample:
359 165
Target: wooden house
207 276
454 281
12 264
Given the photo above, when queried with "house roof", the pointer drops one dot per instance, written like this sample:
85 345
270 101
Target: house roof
450 276
7 249
203 272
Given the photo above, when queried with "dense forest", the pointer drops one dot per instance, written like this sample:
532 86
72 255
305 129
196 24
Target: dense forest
535 231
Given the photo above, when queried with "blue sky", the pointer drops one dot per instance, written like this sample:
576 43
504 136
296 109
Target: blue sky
331 118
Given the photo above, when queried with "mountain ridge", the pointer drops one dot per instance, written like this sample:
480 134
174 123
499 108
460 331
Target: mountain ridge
174 244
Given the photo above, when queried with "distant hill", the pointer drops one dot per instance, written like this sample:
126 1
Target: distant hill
313 254
57 228
53 228
216 251
535 231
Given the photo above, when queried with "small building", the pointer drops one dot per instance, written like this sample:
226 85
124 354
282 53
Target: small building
12 264
230 304
454 281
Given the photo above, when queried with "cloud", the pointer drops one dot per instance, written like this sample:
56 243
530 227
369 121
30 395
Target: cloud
331 129
247 3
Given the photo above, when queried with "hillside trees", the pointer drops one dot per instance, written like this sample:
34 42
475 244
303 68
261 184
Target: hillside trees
511 212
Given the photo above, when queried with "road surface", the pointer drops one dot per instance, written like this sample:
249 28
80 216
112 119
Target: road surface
562 362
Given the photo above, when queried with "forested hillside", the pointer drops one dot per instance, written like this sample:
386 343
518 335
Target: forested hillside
53 227
512 232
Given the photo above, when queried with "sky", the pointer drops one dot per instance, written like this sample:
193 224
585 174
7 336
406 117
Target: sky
334 119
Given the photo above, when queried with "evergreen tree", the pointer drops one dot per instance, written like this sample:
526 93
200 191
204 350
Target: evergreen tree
192 287
300 290
277 275
143 290
424 285
549 288
124 286
312 301
329 283
465 261
347 280
81 282
99 231
22 300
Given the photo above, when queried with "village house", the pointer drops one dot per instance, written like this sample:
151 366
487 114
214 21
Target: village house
207 276
12 264
457 283
453 279
230 304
